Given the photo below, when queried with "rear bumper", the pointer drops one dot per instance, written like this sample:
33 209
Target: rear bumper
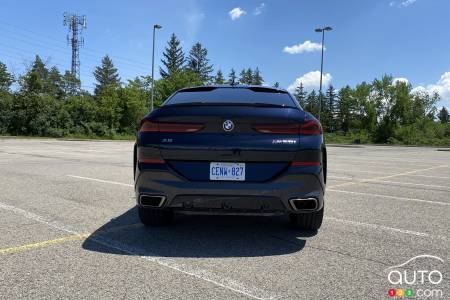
232 197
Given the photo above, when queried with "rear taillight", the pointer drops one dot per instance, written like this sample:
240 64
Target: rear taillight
277 128
311 127
149 126
179 127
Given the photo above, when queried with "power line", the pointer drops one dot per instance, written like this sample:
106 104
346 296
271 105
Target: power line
85 56
86 49
7 48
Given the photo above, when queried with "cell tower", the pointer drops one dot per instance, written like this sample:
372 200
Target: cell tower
76 24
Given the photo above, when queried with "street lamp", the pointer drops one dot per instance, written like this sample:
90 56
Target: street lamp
156 26
328 28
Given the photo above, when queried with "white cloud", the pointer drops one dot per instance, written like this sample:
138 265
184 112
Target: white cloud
259 9
442 87
306 46
236 13
400 79
406 3
402 3
310 81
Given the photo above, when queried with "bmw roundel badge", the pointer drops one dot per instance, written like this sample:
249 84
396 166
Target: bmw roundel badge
228 125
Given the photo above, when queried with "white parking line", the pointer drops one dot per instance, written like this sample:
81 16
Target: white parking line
392 229
410 183
389 197
389 176
340 171
340 178
227 283
101 180
428 176
346 171
388 181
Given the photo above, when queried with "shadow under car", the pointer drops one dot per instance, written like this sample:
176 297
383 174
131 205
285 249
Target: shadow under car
198 236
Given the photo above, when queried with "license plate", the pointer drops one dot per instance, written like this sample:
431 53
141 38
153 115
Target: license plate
227 171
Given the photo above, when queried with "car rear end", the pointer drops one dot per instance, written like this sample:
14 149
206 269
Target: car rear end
246 150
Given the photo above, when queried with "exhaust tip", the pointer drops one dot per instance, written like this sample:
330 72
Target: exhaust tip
304 204
152 200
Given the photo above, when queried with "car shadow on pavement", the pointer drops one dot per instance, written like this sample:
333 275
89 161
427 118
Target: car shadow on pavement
198 236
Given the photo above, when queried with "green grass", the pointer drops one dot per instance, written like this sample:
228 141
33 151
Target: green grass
363 138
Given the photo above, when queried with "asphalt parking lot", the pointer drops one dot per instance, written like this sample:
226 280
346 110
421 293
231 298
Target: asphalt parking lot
68 229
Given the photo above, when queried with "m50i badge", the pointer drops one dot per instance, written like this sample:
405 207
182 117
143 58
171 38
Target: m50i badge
285 142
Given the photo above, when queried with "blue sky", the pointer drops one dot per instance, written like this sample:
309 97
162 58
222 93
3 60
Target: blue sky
406 38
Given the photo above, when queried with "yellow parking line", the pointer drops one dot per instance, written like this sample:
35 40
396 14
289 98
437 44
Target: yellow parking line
385 177
70 238
44 244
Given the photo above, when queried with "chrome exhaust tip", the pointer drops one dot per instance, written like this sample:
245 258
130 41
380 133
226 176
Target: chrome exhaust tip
304 204
151 200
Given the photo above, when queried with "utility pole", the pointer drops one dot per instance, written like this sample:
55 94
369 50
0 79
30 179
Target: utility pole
156 26
76 24
322 30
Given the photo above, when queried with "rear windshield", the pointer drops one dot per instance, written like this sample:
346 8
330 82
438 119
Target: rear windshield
232 95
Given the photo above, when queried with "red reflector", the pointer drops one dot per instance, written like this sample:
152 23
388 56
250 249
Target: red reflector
305 163
311 127
149 126
151 160
277 128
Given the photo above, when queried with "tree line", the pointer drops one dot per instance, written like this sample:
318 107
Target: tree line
382 111
46 102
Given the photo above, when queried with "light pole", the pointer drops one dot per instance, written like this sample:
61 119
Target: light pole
156 26
328 28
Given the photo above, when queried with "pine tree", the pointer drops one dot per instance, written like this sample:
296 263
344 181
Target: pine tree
312 103
198 62
55 84
6 99
219 78
246 76
70 84
174 59
34 81
106 75
443 115
300 95
257 78
249 76
39 68
329 107
232 77
345 108
242 76
6 79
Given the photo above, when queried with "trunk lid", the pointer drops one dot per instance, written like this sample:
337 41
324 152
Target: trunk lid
190 153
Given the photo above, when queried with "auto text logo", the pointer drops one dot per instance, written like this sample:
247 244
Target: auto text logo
419 277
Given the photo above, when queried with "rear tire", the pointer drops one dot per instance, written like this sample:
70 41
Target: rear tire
155 217
307 221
